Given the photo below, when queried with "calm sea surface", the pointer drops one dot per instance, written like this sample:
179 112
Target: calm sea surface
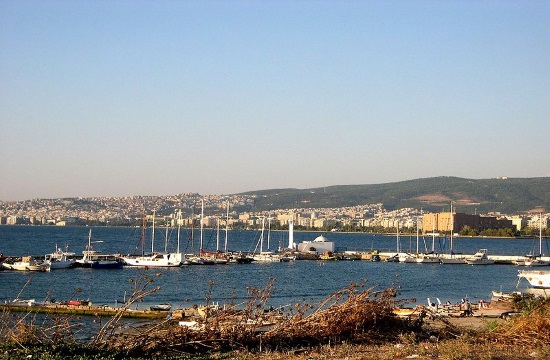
295 281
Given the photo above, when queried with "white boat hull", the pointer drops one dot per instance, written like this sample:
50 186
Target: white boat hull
154 260
452 261
537 278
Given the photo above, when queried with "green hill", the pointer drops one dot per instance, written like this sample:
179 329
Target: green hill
511 195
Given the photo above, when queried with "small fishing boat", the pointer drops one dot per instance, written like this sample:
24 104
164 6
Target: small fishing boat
27 263
328 256
60 259
161 307
95 260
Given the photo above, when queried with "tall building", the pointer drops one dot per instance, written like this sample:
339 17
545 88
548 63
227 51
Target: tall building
446 222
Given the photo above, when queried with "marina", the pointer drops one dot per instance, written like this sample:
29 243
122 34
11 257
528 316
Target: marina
295 280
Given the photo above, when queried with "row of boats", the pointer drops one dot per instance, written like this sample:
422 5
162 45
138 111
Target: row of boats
93 259
479 258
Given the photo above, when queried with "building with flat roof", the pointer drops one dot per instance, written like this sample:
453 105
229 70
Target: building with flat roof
447 222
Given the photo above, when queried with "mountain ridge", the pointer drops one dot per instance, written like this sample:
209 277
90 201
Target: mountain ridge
504 195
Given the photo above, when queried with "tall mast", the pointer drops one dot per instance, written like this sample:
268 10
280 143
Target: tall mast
218 234
226 227
179 228
262 236
268 231
417 235
540 234
153 234
166 238
202 217
398 237
452 226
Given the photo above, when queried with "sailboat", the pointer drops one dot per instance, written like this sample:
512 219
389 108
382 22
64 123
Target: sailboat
409 258
154 259
217 257
451 258
429 258
264 256
537 260
204 257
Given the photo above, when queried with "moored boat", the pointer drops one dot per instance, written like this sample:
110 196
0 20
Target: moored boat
539 279
27 263
153 259
60 259
95 260
427 259
480 258
161 307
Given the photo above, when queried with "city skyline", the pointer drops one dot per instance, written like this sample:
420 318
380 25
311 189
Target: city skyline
154 98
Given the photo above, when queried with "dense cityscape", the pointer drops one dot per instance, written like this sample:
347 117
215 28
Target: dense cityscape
129 211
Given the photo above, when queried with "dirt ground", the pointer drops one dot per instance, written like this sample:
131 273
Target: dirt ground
473 322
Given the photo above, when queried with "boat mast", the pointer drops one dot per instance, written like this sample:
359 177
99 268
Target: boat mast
218 234
202 217
179 228
166 238
398 237
540 234
262 236
452 226
268 231
143 227
417 235
153 234
226 227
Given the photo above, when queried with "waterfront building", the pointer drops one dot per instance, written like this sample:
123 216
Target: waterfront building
447 221
320 245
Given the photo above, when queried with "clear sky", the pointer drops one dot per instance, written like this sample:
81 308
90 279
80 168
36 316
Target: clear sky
117 98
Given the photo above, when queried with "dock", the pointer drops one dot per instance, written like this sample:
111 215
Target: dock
82 310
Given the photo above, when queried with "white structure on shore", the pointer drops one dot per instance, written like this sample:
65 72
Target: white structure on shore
320 245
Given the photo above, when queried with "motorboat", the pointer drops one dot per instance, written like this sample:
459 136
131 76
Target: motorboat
96 260
60 259
480 258
539 279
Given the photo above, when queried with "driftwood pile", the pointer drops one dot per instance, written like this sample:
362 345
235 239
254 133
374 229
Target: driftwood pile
354 313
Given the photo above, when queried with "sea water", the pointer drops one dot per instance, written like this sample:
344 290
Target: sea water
294 281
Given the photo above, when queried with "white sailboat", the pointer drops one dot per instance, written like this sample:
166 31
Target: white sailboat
452 258
154 259
431 257
537 260
264 256
410 258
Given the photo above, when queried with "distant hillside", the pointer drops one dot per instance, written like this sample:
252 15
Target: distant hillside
512 195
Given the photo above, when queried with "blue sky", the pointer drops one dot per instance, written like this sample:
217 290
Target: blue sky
117 98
